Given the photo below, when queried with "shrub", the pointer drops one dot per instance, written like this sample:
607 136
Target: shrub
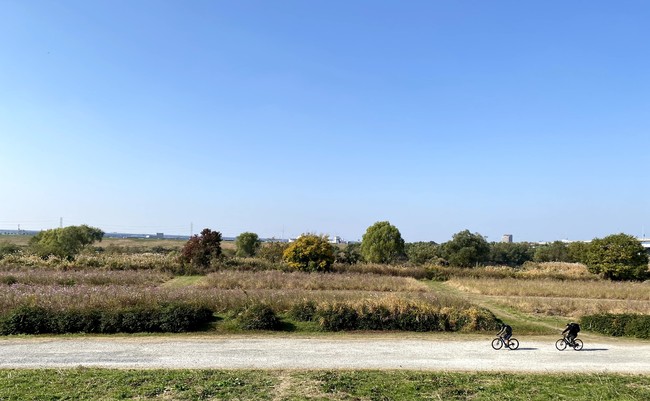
65 243
247 244
303 311
272 251
199 251
420 253
617 325
402 315
257 316
311 253
7 248
164 318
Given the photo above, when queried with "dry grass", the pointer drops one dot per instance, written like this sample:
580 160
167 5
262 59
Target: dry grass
386 270
277 280
551 297
574 307
555 288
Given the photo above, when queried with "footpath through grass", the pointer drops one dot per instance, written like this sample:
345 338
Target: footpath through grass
108 384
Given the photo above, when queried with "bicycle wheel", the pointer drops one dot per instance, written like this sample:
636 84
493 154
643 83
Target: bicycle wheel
577 344
497 343
560 344
514 343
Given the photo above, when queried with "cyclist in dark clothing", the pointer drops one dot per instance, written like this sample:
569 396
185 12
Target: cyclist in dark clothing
571 331
505 333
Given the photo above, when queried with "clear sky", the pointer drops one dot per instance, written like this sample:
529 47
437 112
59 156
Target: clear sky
530 118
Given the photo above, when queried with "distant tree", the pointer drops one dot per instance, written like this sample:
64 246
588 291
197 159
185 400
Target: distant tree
247 244
272 251
8 248
618 257
466 249
200 250
511 254
420 253
577 251
554 252
382 243
311 253
66 242
350 254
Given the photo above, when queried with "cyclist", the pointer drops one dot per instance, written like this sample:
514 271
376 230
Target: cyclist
505 333
572 329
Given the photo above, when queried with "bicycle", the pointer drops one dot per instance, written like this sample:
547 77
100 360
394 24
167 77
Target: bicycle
499 342
562 343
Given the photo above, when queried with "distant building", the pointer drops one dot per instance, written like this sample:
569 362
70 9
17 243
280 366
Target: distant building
506 238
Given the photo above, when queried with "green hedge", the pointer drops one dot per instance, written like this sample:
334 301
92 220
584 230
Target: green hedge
630 325
173 318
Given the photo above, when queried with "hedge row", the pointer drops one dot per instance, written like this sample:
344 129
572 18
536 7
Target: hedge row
173 318
405 316
630 325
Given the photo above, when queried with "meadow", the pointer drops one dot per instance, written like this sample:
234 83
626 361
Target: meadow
125 273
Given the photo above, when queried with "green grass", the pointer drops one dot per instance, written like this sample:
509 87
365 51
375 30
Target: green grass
183 281
109 384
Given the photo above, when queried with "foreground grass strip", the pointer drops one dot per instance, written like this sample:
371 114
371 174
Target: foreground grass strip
108 384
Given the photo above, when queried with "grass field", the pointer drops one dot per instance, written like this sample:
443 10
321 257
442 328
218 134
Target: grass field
105 384
537 299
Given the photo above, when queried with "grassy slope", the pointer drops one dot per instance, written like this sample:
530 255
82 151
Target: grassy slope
104 384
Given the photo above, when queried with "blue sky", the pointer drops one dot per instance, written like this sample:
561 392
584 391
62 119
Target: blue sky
284 117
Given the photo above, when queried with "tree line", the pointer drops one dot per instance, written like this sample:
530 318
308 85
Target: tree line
615 257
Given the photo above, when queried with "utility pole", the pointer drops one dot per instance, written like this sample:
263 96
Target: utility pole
60 222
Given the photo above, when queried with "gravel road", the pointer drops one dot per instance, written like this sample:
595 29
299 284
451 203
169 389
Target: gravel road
354 352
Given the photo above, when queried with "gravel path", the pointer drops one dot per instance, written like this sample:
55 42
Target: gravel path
537 355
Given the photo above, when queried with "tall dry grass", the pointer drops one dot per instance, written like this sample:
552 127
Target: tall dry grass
574 307
278 280
62 297
79 277
555 288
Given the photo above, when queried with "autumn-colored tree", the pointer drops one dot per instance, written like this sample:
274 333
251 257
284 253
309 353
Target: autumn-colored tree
310 253
200 250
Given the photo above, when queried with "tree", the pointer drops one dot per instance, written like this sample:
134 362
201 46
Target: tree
466 249
310 252
247 244
420 253
272 251
511 254
349 255
200 250
618 257
577 251
66 242
556 251
382 243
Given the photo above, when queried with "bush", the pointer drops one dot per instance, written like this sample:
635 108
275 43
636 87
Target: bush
402 315
164 318
199 251
310 253
257 316
303 311
7 248
272 251
617 325
247 244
